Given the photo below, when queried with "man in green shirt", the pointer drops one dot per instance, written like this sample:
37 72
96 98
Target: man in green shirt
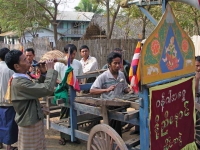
24 94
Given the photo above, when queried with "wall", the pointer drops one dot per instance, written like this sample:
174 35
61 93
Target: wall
98 48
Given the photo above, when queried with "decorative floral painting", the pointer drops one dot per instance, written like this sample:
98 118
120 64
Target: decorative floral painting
168 52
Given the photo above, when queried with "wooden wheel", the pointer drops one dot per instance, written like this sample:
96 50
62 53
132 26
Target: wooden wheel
197 125
103 137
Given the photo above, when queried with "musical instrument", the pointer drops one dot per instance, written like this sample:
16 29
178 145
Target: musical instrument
56 55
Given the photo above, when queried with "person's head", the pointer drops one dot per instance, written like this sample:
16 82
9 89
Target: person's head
197 63
73 50
30 54
114 62
3 53
172 40
84 50
118 50
17 61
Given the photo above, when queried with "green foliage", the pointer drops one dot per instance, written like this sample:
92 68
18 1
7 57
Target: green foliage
17 15
188 17
89 6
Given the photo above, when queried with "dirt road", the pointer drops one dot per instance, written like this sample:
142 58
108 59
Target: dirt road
52 138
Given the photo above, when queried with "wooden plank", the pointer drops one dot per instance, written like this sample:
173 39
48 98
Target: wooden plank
87 109
134 105
78 134
135 141
104 114
98 101
131 115
120 117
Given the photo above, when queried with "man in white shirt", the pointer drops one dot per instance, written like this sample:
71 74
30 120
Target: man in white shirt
61 68
75 64
88 62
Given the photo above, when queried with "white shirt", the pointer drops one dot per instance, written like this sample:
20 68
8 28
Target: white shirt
5 75
61 68
89 65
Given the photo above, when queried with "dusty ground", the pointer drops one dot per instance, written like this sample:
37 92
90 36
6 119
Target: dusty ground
53 136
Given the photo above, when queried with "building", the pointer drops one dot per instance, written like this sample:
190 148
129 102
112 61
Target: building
72 24
12 37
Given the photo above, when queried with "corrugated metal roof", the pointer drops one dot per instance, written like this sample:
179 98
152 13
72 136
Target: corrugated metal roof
9 33
75 16
14 34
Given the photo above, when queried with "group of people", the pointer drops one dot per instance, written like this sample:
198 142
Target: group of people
21 86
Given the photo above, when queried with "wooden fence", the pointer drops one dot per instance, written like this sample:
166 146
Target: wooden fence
99 48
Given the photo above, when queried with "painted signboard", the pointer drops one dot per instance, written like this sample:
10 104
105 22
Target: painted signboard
172 116
168 52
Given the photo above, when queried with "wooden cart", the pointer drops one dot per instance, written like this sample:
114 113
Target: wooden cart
167 62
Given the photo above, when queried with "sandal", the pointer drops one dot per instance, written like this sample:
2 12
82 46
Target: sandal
1 145
62 141
75 142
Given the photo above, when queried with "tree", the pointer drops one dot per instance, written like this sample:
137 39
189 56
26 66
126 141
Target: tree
112 9
51 8
89 6
18 15
188 17
134 12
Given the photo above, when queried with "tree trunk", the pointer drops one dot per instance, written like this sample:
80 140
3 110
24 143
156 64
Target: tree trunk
108 18
55 23
143 28
197 26
113 21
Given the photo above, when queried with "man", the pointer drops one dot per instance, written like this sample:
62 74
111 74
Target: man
30 55
197 99
197 77
75 64
125 66
61 68
24 96
88 62
111 84
8 126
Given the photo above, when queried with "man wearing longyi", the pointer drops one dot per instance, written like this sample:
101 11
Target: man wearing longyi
24 95
112 83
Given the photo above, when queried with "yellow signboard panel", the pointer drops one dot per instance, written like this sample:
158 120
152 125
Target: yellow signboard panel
168 52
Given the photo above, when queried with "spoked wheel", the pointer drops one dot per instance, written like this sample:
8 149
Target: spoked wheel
197 125
103 137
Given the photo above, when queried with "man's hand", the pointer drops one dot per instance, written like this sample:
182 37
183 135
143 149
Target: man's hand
111 88
50 64
30 69
197 75
43 67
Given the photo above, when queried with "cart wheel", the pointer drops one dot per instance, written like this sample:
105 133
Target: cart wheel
103 137
197 128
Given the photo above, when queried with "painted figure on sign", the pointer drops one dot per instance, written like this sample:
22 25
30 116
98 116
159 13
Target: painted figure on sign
171 59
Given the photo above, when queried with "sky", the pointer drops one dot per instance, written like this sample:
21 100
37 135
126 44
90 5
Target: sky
68 5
